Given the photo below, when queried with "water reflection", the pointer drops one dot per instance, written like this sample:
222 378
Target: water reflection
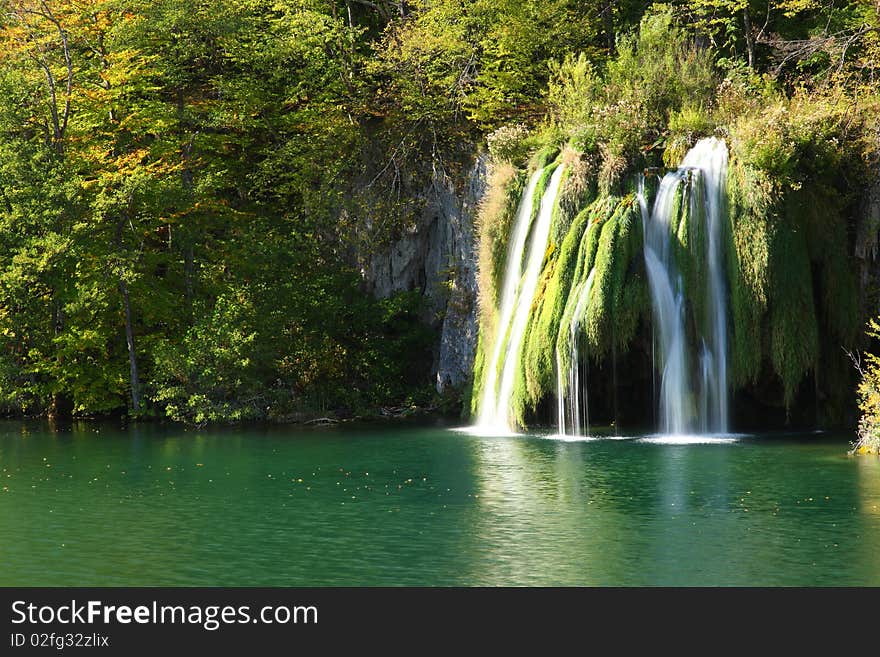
607 512
102 505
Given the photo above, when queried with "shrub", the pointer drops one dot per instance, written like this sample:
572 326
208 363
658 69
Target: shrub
869 398
509 144
658 77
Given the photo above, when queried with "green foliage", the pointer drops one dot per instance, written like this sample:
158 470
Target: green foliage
574 82
810 38
788 219
686 127
213 373
657 76
261 355
178 210
485 59
191 187
869 397
657 72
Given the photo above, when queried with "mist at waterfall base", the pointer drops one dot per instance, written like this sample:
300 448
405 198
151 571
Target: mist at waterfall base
691 395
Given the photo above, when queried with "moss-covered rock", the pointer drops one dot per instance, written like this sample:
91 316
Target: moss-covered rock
796 164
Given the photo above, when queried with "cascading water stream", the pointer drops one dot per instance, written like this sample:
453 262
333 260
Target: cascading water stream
709 156
682 411
667 301
513 270
582 297
495 410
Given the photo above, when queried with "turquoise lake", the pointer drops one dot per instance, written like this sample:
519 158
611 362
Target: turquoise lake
392 504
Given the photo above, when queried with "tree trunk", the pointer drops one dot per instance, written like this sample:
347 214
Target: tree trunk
132 356
607 13
189 269
61 405
186 179
60 408
750 38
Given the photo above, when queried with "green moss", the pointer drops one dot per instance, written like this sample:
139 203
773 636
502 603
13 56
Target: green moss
692 249
748 265
632 301
793 327
538 355
614 310
577 191
598 214
533 369
818 209
479 374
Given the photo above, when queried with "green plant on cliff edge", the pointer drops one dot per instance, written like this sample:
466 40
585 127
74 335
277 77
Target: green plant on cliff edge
869 398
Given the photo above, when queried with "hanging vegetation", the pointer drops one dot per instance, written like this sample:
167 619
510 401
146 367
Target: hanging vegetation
798 161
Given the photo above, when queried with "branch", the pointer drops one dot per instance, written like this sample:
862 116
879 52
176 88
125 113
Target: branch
67 60
856 359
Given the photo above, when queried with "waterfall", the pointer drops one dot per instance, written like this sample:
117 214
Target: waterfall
709 156
512 274
582 297
667 301
494 413
684 406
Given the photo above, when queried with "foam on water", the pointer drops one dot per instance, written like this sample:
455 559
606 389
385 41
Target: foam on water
693 439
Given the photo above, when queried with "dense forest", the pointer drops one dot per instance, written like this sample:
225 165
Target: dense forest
189 190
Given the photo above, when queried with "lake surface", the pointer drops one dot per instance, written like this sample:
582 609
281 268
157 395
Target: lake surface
396 505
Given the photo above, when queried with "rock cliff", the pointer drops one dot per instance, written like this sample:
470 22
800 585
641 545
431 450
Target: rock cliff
436 255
